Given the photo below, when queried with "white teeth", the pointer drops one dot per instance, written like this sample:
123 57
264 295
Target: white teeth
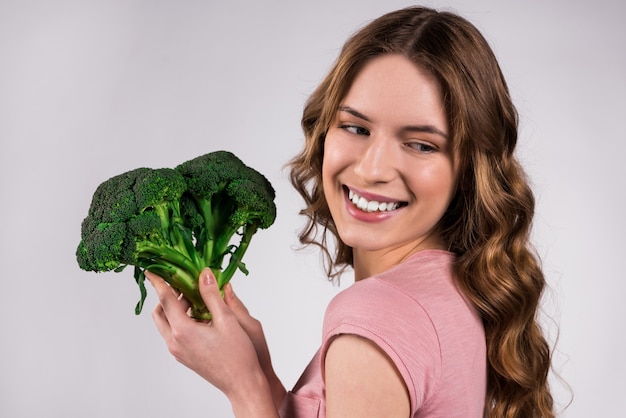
371 206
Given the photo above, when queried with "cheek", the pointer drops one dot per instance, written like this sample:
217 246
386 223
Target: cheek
437 181
332 160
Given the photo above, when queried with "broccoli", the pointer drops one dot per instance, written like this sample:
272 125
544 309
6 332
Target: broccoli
175 222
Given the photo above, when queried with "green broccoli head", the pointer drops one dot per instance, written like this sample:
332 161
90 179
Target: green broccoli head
103 231
123 209
158 188
232 188
102 246
175 222
226 198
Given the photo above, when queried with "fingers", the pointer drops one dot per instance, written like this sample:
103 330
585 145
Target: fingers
161 322
234 302
172 305
251 325
158 283
210 292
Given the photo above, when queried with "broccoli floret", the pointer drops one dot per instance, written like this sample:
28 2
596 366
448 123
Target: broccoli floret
226 198
104 229
175 222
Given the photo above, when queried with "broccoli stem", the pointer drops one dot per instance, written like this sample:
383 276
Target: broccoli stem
178 279
180 271
236 257
173 226
218 233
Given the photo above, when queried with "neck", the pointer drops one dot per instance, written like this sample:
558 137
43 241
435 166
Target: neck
371 263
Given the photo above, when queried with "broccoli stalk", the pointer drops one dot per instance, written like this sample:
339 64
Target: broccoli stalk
175 222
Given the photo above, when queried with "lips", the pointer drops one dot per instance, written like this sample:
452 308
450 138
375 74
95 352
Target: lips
373 205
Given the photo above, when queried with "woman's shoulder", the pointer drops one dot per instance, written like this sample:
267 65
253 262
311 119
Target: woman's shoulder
406 286
399 302
394 310
416 301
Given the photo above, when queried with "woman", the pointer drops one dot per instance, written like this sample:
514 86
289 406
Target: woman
409 165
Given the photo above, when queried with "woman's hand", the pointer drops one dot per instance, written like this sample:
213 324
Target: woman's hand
255 331
221 351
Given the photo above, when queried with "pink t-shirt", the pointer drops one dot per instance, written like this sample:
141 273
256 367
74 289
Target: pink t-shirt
417 316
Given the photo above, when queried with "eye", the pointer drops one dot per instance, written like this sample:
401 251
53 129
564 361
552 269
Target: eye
421 147
355 129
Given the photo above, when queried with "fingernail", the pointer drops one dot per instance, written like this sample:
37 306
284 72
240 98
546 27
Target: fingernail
209 279
229 291
148 275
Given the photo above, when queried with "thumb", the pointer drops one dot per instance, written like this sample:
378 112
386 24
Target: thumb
210 292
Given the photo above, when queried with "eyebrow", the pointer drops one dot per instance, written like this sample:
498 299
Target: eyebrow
430 129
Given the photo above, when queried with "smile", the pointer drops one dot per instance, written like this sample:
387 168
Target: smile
373 205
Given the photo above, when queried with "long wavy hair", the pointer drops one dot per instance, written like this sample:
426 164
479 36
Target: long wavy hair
488 222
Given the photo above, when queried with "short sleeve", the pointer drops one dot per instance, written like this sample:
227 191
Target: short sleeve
397 324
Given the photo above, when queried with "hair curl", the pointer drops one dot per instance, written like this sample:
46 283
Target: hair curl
488 222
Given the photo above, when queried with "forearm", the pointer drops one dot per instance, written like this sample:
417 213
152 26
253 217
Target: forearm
254 330
277 389
255 398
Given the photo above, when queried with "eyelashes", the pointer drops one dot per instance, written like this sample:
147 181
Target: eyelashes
355 129
419 146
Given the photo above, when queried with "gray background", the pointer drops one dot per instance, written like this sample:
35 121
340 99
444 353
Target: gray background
89 89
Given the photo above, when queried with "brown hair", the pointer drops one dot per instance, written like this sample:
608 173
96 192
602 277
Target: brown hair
489 219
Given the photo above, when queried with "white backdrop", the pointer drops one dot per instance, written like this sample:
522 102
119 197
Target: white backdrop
89 89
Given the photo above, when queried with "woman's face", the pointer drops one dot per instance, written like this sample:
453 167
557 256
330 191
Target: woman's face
388 171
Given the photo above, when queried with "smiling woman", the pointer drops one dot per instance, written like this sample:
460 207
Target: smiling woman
416 114
408 164
388 144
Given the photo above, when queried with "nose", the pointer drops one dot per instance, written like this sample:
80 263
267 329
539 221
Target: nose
375 160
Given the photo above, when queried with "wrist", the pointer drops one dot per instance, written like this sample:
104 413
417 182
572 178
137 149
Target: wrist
277 388
253 398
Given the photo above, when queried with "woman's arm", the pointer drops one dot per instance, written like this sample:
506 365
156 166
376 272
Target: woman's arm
362 381
221 351
254 330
